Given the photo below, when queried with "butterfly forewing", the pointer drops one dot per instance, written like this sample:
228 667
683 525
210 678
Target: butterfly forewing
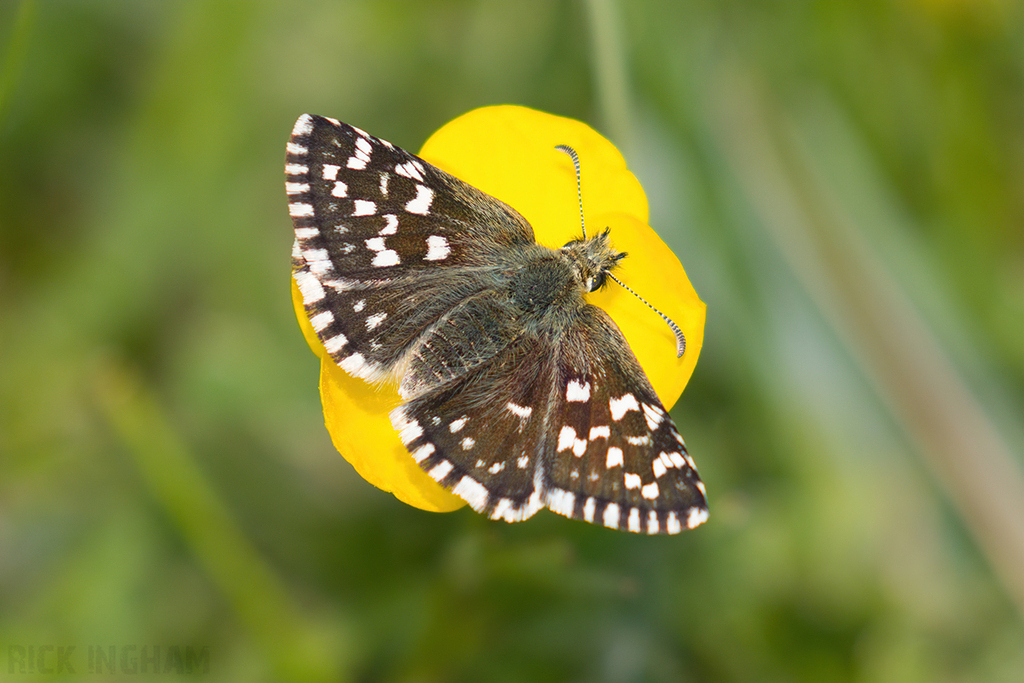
380 238
518 395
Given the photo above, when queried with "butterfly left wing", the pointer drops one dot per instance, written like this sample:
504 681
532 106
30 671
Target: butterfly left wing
385 243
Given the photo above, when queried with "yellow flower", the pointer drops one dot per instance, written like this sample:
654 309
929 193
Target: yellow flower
508 152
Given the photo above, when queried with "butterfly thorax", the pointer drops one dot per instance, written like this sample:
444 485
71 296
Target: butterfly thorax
592 259
551 281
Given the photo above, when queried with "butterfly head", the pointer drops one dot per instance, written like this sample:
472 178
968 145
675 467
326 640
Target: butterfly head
593 259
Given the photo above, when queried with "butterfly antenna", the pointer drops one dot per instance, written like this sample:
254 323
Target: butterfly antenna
680 337
579 185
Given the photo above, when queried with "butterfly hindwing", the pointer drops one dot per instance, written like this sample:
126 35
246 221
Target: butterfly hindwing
478 435
571 424
615 456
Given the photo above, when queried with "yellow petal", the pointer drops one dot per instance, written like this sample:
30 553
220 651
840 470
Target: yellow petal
509 152
356 415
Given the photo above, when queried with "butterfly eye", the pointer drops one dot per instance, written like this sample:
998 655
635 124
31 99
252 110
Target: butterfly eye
597 282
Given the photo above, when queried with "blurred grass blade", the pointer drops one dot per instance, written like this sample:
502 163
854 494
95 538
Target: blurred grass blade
175 480
608 65
877 320
14 55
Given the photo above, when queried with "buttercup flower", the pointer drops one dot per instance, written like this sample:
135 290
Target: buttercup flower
509 152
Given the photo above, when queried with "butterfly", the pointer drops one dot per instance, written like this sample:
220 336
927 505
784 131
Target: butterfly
517 393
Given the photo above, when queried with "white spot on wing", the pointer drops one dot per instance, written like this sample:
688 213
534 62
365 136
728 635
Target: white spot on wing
318 261
652 522
473 492
410 169
375 320
358 366
300 210
588 509
421 202
631 480
437 248
457 425
321 320
468 443
577 391
653 415
566 439
388 257
614 457
622 405
364 207
503 510
361 157
440 470
611 516
659 468
408 430
650 491
303 126
696 516
634 520
561 501
516 409
383 257
331 171
335 343
309 287
601 431
390 224
423 452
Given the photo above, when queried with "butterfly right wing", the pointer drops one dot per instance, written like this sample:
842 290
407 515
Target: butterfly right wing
385 243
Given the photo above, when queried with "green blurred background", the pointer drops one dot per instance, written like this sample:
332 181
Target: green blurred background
843 181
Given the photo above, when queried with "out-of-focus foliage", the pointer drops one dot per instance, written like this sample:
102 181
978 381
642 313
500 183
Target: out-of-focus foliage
165 479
